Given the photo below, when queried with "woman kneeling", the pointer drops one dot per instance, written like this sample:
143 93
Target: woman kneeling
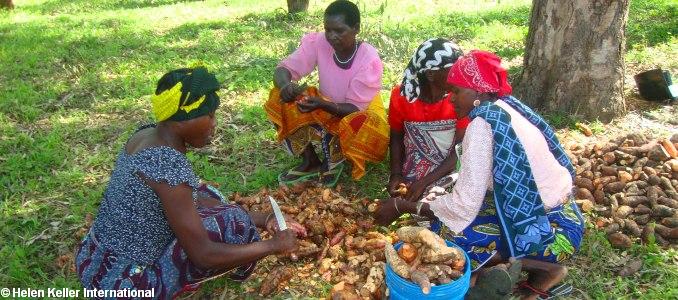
158 227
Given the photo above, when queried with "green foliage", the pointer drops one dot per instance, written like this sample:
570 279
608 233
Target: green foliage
652 33
651 22
654 281
560 120
77 76
597 127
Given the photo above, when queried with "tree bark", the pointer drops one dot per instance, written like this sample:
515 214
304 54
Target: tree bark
6 4
574 58
297 6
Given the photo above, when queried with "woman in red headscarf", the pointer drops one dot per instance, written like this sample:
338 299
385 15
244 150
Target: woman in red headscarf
511 151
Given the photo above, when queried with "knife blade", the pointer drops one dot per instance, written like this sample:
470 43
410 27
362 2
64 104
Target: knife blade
282 225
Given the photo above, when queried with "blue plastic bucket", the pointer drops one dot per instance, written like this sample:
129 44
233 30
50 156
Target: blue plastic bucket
400 288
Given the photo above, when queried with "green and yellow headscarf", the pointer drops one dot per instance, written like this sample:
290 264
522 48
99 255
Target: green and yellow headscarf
192 94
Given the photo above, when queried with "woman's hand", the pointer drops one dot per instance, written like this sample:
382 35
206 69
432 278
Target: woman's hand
285 241
207 202
387 212
415 191
310 104
272 226
393 183
290 92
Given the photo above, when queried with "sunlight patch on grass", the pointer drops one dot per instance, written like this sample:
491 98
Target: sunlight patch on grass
504 39
409 11
70 119
661 55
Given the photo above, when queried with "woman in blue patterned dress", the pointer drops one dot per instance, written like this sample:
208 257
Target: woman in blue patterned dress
509 149
158 228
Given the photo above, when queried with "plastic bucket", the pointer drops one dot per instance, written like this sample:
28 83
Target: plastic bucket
655 85
400 288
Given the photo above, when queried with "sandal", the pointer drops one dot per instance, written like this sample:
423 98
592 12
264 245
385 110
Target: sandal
515 270
495 283
299 176
330 178
560 290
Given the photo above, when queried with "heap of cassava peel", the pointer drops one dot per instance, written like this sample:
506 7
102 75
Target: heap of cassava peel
343 247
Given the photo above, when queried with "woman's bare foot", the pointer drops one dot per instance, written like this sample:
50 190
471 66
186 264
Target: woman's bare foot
310 164
542 276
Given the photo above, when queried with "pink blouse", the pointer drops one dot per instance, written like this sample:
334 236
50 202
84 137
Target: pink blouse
458 209
357 85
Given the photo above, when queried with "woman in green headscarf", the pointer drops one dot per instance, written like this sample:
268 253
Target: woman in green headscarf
160 230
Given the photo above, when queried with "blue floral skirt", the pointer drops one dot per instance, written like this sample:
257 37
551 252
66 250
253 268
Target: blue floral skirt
172 273
482 239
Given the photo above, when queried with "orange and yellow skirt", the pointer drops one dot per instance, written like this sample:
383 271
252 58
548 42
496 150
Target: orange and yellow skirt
360 137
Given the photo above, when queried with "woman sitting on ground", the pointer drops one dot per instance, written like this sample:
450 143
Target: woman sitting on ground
345 115
158 227
509 149
424 125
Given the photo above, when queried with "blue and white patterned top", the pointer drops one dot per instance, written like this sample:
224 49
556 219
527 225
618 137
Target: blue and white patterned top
131 220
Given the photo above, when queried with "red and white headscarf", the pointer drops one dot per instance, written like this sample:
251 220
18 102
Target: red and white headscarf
480 71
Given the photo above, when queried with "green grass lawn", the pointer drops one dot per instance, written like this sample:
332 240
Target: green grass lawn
76 77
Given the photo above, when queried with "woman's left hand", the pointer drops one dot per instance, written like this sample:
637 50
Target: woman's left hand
310 104
272 226
386 212
415 191
208 202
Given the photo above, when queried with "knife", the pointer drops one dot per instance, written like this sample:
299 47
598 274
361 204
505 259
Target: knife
282 225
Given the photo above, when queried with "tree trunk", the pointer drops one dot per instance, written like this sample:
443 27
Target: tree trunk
6 4
297 6
574 58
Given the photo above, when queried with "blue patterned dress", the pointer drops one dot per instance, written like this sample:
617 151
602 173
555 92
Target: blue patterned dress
131 245
483 238
512 221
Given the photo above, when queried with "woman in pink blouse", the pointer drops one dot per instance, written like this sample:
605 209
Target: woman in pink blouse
511 151
344 116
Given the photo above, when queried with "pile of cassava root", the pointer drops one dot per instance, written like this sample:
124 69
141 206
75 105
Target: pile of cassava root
630 186
343 248
424 258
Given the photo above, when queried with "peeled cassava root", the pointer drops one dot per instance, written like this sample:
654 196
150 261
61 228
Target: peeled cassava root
407 252
402 189
434 249
398 265
422 280
424 258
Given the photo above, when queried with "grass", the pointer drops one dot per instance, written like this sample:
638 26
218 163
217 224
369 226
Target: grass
77 75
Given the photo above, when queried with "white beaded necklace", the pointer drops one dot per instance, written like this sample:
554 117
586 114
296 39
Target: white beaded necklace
355 49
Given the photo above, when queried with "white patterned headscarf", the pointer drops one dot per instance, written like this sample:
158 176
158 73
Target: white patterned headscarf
433 54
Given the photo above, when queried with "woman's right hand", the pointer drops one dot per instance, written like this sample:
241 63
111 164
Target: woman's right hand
285 241
290 92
